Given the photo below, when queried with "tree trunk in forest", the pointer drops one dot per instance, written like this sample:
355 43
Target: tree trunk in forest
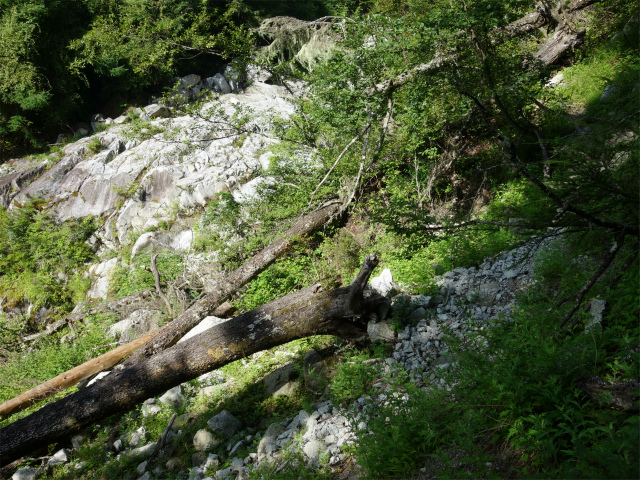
341 312
175 330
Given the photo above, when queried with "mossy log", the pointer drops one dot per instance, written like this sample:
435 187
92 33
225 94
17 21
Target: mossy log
342 312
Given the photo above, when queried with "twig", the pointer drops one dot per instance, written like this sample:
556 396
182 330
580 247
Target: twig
160 443
281 467
359 176
594 278
156 277
354 140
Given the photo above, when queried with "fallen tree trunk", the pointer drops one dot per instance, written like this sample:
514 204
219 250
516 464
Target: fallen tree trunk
175 330
569 27
71 377
301 314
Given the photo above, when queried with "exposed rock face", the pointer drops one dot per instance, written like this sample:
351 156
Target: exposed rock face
101 272
137 183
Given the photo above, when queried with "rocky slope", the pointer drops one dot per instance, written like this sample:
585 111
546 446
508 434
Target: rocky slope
154 167
468 300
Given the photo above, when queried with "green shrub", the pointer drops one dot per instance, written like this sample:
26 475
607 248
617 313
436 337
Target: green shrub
41 259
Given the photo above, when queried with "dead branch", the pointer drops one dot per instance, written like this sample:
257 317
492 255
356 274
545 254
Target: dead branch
172 332
606 261
160 444
156 278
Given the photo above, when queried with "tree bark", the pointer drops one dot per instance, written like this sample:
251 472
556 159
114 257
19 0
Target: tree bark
308 312
175 330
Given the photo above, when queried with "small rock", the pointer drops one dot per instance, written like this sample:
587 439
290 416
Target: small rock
383 284
190 80
224 424
144 451
224 473
237 464
219 83
173 397
174 464
78 440
555 81
212 461
418 314
156 111
198 458
204 440
141 468
380 331
609 93
61 456
312 450
270 437
150 410
25 473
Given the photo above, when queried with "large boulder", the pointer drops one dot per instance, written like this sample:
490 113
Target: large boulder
156 111
383 284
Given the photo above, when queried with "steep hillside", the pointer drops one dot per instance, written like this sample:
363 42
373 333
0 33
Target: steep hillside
484 155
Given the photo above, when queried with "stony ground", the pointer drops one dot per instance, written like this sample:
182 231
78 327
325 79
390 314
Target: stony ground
468 299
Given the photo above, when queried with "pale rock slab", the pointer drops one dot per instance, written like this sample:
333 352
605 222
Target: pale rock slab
204 325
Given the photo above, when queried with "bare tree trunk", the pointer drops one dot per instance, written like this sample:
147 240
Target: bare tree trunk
175 330
307 312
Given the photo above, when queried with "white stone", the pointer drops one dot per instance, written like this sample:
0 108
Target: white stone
25 473
173 397
383 284
204 325
312 450
61 456
556 80
145 240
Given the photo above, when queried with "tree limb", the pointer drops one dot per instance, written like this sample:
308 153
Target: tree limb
606 261
156 278
172 332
